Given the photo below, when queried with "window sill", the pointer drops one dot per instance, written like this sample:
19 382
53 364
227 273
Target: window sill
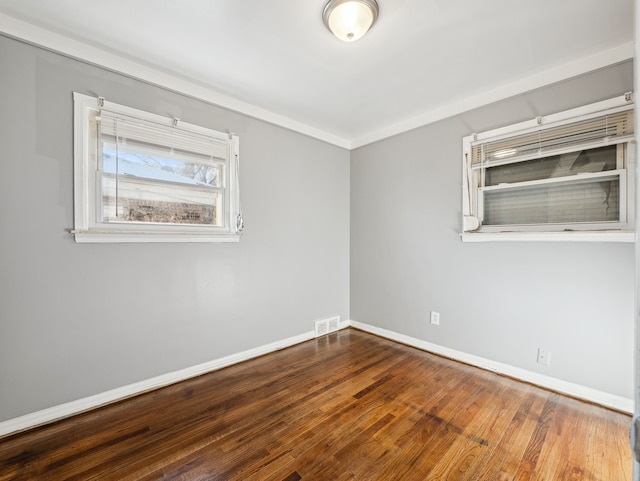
93 237
572 236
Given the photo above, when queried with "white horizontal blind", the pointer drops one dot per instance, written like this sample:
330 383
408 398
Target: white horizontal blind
576 201
611 128
122 128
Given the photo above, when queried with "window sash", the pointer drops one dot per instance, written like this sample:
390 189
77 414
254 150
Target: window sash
601 159
587 176
139 191
560 205
159 141
163 173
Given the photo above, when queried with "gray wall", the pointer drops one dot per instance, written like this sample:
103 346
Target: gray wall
77 320
500 301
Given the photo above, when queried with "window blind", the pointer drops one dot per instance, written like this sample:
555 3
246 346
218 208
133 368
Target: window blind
596 200
611 128
122 128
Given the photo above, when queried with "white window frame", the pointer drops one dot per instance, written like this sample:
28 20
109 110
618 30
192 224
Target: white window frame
472 182
88 225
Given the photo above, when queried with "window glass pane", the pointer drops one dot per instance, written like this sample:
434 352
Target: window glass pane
157 167
563 203
592 160
127 199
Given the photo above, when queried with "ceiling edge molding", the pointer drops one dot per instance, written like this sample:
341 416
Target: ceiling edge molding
49 40
576 68
41 37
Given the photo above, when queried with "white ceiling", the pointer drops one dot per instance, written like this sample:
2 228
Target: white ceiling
274 59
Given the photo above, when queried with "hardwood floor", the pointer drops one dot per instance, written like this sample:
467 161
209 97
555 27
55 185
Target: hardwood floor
348 406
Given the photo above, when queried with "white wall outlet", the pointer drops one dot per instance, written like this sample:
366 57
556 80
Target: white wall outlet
435 318
544 357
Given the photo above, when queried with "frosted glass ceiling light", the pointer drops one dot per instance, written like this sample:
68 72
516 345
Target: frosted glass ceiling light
350 19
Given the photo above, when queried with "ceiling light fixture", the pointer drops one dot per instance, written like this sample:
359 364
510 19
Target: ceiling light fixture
349 20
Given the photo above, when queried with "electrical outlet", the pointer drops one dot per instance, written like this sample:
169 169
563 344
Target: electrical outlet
435 318
544 357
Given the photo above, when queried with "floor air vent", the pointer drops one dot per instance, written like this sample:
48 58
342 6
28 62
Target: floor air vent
325 326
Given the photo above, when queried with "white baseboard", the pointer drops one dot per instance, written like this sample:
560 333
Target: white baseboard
585 393
61 411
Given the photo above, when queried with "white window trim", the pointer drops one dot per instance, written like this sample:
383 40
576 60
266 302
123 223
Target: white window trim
573 236
87 229
595 233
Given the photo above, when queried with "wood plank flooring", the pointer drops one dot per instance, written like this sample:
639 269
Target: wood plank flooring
347 406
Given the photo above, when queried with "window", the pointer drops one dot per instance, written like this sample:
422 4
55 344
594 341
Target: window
141 177
569 173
